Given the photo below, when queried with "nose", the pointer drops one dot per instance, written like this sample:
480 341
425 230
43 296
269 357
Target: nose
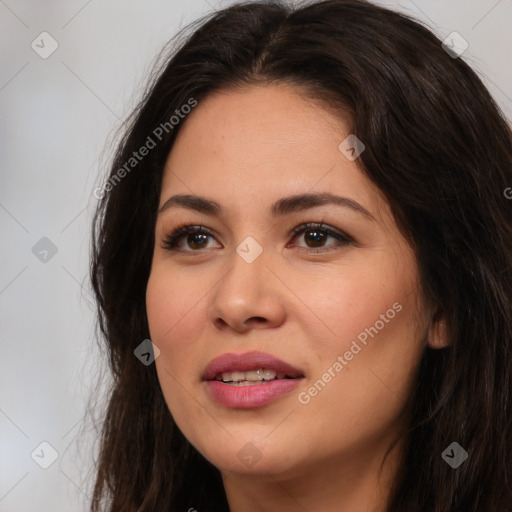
249 296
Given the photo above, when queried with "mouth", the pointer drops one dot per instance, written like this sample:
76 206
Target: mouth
252 377
249 380
251 368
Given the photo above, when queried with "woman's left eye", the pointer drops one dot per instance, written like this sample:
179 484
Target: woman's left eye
315 236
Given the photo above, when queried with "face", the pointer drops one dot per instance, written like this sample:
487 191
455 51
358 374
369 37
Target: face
292 265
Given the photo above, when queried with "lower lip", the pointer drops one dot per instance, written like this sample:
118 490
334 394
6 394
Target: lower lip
249 397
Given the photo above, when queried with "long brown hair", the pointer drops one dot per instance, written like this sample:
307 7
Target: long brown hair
440 150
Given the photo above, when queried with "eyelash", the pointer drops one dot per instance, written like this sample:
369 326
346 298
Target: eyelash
170 243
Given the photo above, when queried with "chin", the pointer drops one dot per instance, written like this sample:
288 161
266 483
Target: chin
251 455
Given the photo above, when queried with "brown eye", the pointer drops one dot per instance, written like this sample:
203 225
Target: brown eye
196 241
195 238
316 237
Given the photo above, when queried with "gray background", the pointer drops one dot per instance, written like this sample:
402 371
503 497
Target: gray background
56 116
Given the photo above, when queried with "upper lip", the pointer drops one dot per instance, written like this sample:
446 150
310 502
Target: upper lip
248 361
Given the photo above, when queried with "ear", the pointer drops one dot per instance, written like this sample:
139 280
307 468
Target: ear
438 332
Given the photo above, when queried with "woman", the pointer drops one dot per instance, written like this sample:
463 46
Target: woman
307 219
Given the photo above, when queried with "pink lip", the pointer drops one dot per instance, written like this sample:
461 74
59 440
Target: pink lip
248 397
248 361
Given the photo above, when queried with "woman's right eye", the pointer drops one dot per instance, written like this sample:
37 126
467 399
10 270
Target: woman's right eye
196 237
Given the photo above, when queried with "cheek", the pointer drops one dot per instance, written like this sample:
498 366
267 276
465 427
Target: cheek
172 300
375 324
174 304
354 299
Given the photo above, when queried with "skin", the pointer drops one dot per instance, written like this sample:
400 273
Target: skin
245 149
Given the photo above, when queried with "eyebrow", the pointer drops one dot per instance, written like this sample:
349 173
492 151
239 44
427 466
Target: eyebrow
283 206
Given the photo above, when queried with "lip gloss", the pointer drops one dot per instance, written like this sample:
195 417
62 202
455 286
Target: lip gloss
252 396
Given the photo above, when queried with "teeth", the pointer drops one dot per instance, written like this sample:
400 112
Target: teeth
252 376
243 383
237 376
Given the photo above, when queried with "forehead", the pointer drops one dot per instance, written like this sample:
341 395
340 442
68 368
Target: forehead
263 142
